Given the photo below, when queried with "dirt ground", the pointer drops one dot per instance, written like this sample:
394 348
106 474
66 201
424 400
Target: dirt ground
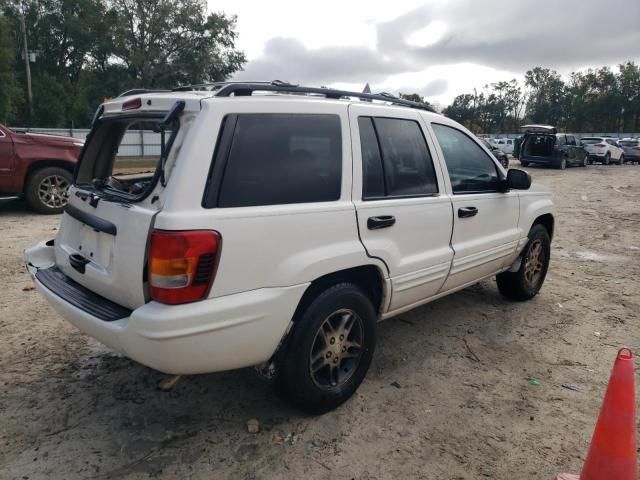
448 395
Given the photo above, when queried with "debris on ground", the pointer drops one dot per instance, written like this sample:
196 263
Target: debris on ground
253 426
168 383
534 382
571 386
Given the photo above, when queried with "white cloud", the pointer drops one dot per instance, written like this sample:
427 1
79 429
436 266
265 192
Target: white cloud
439 47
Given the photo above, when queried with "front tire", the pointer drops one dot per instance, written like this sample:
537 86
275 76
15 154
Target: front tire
525 283
329 351
47 190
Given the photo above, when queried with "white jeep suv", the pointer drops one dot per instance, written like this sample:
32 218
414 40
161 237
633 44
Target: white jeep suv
277 229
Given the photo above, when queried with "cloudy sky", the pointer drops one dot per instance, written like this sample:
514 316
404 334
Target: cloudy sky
438 48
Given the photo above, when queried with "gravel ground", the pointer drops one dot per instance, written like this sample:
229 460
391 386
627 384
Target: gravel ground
448 395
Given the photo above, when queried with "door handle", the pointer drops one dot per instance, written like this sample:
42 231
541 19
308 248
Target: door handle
464 212
383 221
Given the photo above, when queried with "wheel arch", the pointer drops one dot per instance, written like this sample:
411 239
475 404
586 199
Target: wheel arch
44 163
547 221
369 278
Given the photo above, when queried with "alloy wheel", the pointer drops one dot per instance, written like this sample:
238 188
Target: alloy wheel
53 191
534 264
337 349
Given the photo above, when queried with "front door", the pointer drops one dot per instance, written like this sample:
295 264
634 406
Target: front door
404 215
6 163
485 230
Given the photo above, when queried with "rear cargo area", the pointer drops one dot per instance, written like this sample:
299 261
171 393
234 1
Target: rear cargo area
539 145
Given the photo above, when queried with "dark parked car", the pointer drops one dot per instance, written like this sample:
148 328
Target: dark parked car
37 166
631 148
543 145
502 157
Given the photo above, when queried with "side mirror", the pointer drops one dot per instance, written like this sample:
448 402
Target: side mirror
518 179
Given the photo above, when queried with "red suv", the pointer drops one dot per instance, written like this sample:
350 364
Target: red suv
40 167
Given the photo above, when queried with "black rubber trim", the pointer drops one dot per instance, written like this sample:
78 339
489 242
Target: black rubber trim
97 223
81 297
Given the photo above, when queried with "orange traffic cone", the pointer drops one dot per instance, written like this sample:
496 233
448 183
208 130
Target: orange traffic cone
612 454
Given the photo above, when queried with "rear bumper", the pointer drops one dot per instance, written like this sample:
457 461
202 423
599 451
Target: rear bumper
216 334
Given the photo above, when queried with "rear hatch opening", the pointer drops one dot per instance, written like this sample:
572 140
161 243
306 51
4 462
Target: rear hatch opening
125 155
539 145
104 233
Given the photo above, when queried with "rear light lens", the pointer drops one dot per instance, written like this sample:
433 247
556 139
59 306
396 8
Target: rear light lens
132 104
182 264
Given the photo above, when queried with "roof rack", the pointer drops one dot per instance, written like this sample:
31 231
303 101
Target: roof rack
243 89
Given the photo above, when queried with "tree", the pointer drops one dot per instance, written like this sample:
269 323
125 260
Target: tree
546 100
7 69
169 42
88 50
414 97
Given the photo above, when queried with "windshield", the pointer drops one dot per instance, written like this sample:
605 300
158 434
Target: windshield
591 141
122 155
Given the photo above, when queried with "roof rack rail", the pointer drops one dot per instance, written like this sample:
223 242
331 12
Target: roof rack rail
140 91
246 89
210 86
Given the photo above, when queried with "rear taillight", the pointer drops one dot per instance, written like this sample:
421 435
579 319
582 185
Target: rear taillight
600 145
182 264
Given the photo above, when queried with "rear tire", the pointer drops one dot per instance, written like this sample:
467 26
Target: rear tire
47 190
329 350
525 283
524 163
621 161
585 160
607 159
562 164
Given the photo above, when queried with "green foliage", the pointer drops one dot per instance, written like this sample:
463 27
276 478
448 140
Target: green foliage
7 75
414 97
599 100
89 50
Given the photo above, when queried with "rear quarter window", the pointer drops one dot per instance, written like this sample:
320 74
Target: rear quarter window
281 159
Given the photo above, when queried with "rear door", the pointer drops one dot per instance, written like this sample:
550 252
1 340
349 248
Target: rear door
404 214
485 232
104 231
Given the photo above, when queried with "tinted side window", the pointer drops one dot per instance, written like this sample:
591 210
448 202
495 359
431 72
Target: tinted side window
560 140
372 173
470 169
571 140
407 163
282 158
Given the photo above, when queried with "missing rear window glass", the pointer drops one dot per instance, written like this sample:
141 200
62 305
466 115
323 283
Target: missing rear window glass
123 156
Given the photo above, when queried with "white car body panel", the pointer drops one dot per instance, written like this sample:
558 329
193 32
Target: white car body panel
271 254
